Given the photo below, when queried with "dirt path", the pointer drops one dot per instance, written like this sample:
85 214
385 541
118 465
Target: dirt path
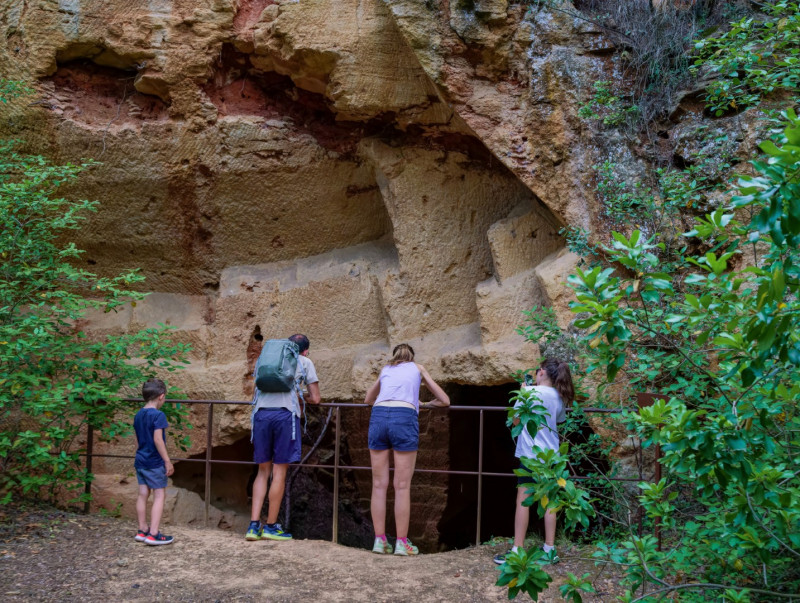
50 555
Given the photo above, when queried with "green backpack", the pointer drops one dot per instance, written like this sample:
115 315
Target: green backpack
276 366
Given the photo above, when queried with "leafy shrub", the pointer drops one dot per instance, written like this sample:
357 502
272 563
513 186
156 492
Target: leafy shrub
608 106
756 56
724 345
54 380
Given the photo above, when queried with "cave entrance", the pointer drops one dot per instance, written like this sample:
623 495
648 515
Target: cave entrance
457 525
310 490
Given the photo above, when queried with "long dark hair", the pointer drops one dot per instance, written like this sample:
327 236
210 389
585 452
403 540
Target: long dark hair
561 378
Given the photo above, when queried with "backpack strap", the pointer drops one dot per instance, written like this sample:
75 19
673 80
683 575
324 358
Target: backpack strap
300 399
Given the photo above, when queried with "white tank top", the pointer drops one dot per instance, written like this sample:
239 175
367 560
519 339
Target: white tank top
400 383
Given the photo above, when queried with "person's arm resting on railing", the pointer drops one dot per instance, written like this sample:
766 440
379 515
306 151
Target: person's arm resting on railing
441 399
372 393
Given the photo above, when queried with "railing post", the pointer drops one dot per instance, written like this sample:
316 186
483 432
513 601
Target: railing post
209 429
480 479
87 489
335 537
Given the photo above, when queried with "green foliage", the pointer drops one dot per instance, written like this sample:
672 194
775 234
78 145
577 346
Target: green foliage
574 586
578 242
542 328
757 55
622 205
522 572
552 489
11 88
723 342
54 379
525 413
717 330
608 106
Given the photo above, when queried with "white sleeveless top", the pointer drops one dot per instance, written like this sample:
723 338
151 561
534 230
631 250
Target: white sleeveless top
400 383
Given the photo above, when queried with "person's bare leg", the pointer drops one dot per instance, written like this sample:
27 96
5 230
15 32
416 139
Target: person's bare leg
159 496
403 471
260 490
380 484
141 507
521 518
550 528
276 490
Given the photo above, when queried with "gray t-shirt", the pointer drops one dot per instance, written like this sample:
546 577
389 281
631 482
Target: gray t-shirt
289 400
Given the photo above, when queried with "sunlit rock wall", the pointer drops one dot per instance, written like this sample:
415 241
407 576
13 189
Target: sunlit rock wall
364 171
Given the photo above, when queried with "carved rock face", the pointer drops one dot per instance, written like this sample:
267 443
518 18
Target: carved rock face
308 166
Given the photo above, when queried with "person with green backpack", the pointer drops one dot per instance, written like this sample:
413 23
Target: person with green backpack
281 371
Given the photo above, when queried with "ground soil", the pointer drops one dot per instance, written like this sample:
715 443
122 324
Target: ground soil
52 555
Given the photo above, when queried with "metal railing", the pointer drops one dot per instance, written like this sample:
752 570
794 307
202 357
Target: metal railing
479 473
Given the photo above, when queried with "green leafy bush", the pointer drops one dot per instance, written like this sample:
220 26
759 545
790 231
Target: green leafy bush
718 332
756 56
54 380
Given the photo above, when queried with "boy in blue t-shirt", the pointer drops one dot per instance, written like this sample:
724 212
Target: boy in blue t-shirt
152 461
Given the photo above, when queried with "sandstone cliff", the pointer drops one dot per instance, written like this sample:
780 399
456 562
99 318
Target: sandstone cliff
364 171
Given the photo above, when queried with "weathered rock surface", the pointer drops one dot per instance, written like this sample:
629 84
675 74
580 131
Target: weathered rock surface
364 171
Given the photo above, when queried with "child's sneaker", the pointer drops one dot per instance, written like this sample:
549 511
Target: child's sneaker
382 546
142 535
275 532
158 539
254 532
405 548
500 559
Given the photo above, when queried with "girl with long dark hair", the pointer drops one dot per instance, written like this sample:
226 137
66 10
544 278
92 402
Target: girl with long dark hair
555 390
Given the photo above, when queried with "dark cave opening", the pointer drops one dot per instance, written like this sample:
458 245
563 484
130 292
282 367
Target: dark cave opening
458 523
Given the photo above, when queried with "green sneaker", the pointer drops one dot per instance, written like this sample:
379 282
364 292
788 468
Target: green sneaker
405 548
275 532
254 532
382 546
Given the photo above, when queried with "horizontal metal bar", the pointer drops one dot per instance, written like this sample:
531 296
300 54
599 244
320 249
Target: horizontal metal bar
589 409
363 468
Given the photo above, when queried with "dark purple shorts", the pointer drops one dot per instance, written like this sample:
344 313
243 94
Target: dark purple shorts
272 436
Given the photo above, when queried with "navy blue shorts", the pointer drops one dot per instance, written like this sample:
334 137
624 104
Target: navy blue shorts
524 480
155 478
393 427
272 436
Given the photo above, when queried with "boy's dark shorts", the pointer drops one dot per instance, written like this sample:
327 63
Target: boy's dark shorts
393 427
526 480
272 436
155 478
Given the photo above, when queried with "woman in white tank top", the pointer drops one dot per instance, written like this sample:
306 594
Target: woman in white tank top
394 425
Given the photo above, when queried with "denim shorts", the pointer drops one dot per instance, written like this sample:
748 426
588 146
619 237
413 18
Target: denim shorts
155 478
272 436
393 427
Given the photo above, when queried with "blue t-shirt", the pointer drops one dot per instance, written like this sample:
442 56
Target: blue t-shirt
147 420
